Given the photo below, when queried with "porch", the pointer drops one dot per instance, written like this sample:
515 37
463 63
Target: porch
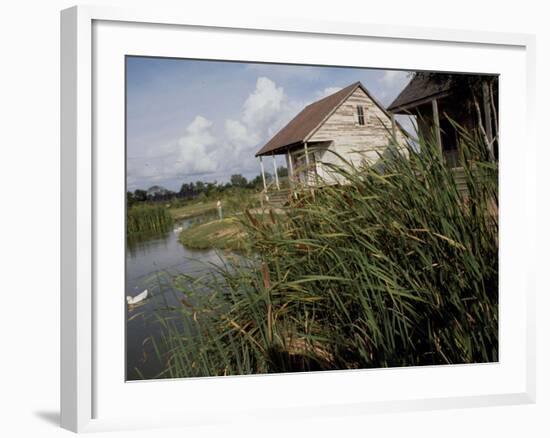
304 168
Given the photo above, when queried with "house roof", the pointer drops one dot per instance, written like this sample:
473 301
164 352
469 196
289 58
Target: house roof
304 125
418 91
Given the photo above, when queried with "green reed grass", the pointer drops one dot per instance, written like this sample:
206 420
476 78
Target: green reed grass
395 267
147 219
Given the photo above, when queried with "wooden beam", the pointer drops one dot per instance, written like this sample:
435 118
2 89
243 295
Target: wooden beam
409 108
307 168
307 163
487 114
393 129
263 173
290 171
289 164
437 127
275 171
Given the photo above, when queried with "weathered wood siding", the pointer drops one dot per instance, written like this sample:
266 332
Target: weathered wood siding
359 144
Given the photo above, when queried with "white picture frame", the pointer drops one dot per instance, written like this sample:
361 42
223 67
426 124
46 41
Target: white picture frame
91 389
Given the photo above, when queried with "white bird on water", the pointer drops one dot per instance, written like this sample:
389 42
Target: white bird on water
138 298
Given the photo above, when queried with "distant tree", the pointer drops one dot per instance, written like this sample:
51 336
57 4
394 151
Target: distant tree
140 195
238 180
282 171
184 189
156 189
157 193
257 181
200 187
211 188
130 200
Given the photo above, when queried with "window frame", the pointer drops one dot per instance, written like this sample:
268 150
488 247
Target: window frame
360 115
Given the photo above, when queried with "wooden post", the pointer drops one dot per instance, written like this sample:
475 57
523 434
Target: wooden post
488 124
307 163
289 165
307 168
315 169
220 212
436 126
393 129
275 170
290 172
263 173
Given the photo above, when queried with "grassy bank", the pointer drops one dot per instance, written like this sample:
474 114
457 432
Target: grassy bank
221 234
148 219
229 233
395 268
193 210
233 201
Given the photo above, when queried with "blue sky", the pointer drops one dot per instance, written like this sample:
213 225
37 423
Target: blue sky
190 120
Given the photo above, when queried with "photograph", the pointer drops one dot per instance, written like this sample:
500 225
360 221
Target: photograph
287 218
265 219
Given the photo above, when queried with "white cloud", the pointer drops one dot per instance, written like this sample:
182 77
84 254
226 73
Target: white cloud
266 110
238 134
393 81
198 126
195 152
392 77
208 151
262 106
327 92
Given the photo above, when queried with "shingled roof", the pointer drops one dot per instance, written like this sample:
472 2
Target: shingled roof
304 125
419 90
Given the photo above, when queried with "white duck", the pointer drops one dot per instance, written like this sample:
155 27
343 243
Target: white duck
138 298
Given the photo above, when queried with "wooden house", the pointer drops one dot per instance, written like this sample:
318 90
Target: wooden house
442 101
347 126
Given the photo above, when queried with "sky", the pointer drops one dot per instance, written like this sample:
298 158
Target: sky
190 120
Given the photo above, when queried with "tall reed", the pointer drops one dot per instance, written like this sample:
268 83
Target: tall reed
395 267
148 219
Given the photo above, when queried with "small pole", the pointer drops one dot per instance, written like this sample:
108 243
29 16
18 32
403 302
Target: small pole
290 171
307 163
275 170
437 127
289 164
488 124
307 168
393 129
263 173
219 207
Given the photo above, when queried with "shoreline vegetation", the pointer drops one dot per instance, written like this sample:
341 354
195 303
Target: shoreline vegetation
397 267
229 233
193 210
148 219
225 234
154 217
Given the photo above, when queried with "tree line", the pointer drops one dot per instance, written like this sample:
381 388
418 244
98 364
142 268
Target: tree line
192 190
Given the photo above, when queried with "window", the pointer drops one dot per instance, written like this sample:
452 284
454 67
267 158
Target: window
360 115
